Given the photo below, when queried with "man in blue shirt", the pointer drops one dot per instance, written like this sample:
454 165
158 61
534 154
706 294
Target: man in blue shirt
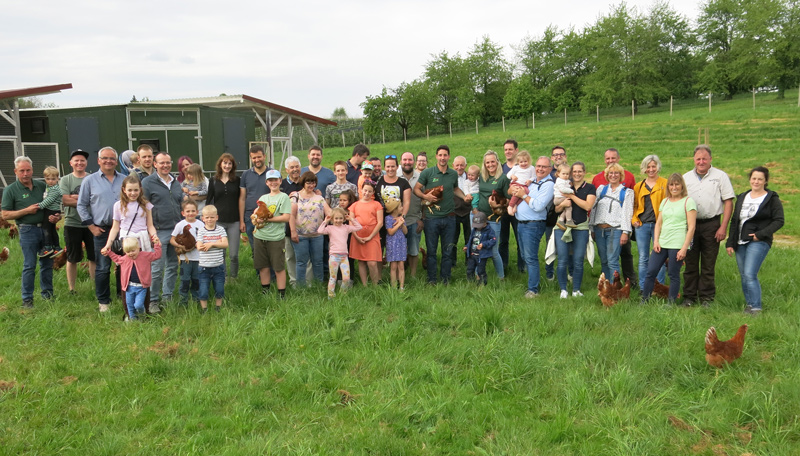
324 175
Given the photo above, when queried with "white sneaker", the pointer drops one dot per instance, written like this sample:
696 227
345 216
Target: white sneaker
103 307
531 294
577 294
564 294
154 308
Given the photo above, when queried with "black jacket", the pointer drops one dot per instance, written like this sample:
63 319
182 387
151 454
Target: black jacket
768 220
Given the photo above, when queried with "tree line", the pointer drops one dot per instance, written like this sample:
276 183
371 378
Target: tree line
626 56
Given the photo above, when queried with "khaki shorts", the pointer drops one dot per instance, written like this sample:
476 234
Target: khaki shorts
269 254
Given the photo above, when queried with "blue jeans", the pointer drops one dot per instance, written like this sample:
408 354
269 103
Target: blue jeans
234 237
496 258
190 280
530 234
657 260
31 239
608 248
102 272
580 239
439 230
134 298
308 249
215 275
644 234
749 258
164 269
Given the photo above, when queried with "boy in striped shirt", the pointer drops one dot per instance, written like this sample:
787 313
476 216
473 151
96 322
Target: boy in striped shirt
212 239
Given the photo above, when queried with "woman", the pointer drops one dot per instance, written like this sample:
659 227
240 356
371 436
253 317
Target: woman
126 163
672 237
223 192
308 212
575 239
757 216
492 178
365 245
611 219
391 186
648 195
183 163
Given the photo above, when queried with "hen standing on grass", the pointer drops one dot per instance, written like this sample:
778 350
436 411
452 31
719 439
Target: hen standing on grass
612 293
719 353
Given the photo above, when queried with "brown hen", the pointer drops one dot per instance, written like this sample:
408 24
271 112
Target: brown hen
4 255
436 192
60 260
260 216
502 201
186 243
719 353
612 293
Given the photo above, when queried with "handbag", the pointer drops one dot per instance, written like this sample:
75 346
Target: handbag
116 245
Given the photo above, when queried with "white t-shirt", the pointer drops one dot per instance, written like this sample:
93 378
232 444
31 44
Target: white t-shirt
193 255
750 206
562 187
523 174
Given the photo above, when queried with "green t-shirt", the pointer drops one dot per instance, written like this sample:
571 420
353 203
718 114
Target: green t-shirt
485 189
71 185
278 204
673 222
432 177
16 197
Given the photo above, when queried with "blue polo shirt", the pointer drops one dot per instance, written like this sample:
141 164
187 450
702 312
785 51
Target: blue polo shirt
254 185
325 177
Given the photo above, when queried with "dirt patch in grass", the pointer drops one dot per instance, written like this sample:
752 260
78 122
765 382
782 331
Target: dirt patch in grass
68 380
7 385
164 349
680 424
785 240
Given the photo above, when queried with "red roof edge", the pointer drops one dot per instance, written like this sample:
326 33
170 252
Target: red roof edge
31 91
289 110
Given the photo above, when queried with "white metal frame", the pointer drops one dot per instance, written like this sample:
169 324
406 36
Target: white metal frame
13 119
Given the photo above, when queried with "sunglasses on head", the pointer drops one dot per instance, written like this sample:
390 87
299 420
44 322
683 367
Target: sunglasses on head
390 156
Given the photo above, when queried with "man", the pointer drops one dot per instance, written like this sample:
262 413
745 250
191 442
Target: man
75 233
414 216
164 191
611 157
440 223
290 185
95 205
422 161
253 184
531 216
360 153
145 168
21 203
463 208
507 222
558 155
324 175
711 190
376 169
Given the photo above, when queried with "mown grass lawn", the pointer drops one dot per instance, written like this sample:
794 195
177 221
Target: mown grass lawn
433 370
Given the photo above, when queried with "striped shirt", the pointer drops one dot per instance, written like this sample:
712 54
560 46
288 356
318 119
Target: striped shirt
215 256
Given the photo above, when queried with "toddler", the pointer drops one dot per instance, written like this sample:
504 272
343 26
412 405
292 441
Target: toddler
195 186
521 175
470 186
338 234
50 205
563 187
136 274
396 243
366 175
190 271
479 248
212 240
132 216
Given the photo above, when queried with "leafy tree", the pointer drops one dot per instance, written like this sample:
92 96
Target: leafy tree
449 81
378 112
670 43
787 48
34 102
339 113
490 74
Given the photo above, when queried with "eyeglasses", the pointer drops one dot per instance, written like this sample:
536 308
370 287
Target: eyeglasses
390 156
560 155
164 163
107 158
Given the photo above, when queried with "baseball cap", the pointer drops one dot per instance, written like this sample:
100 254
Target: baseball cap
273 174
79 152
366 165
479 220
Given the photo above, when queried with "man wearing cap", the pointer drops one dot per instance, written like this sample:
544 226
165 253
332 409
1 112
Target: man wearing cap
479 247
253 184
360 154
95 205
21 203
75 233
164 191
268 255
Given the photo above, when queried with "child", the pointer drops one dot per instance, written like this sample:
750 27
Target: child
521 175
470 186
396 246
335 190
338 233
50 205
346 199
366 175
212 240
563 186
190 271
132 216
195 185
136 274
269 240
479 248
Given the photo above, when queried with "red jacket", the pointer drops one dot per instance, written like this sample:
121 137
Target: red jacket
142 263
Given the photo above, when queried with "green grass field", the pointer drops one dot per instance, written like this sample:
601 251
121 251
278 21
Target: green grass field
433 370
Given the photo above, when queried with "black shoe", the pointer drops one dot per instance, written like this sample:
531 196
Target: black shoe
217 308
706 303
203 310
688 302
27 303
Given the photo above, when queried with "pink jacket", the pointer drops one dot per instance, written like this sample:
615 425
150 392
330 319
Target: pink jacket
142 263
337 235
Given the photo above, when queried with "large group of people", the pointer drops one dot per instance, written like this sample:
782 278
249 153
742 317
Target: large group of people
316 224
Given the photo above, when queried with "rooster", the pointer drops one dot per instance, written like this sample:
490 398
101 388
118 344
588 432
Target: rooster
719 353
260 216
4 255
612 293
186 243
436 192
500 199
13 232
60 260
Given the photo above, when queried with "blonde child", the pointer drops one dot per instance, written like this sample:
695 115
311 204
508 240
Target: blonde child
521 175
190 270
563 186
136 274
50 205
338 233
470 186
212 240
396 244
195 185
132 216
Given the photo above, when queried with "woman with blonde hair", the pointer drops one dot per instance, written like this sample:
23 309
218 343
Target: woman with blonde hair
490 180
648 196
611 219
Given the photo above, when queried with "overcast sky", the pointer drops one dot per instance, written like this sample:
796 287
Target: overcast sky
312 56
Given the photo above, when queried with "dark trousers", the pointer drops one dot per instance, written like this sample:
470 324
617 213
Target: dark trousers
477 265
626 264
701 260
657 260
49 229
463 224
508 222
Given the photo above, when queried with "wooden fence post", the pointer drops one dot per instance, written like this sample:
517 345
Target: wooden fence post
709 101
405 138
476 126
427 133
754 98
504 124
383 135
565 116
343 143
633 113
533 120
450 127
670 105
598 113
